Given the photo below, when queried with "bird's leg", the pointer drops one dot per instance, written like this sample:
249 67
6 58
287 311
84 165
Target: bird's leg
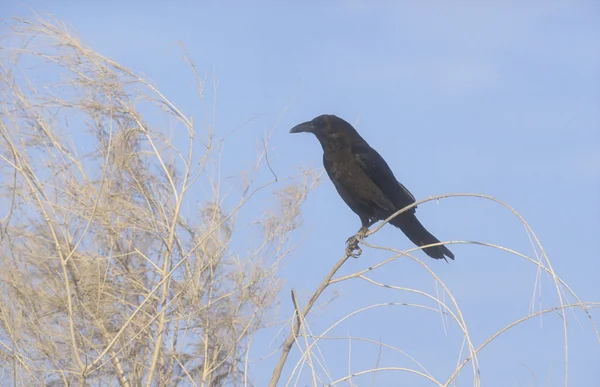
352 248
358 237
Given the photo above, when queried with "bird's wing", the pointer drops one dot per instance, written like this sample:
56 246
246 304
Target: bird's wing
380 173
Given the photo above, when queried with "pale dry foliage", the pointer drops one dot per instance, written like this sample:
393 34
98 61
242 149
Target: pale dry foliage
123 258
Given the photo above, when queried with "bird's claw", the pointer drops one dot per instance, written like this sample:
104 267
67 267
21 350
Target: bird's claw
352 248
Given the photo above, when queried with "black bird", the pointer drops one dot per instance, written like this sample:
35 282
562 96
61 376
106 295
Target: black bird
366 183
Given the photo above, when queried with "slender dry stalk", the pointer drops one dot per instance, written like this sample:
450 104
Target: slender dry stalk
124 258
452 309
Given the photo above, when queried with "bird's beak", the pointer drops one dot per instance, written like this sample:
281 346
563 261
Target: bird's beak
303 127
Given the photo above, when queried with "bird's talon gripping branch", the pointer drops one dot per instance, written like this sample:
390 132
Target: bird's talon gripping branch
352 248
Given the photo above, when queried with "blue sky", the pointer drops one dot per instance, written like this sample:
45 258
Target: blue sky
499 98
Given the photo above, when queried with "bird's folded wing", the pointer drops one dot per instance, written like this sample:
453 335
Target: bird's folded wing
380 173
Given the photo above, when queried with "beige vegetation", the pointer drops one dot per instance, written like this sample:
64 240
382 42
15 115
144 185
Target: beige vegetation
113 267
116 239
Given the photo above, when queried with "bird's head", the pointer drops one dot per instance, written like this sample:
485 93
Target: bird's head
328 128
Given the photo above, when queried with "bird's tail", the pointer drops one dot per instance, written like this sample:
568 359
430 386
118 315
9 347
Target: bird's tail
414 230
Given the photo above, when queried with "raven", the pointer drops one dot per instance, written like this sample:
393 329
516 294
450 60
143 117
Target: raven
366 183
